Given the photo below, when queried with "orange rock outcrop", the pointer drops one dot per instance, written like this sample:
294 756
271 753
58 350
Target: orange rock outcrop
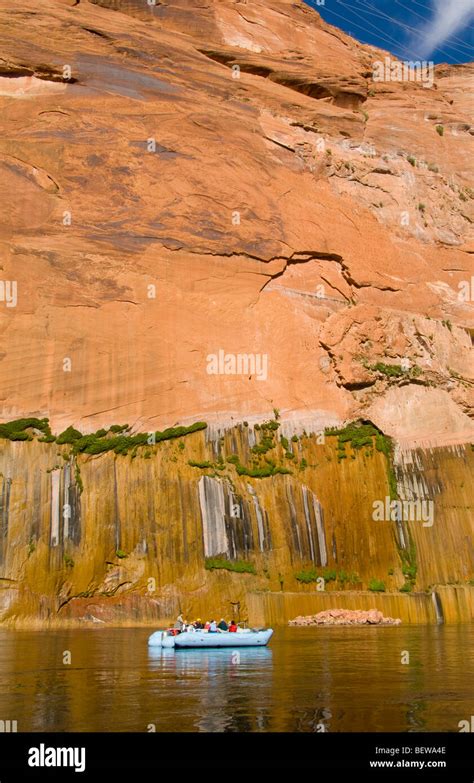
181 181
213 212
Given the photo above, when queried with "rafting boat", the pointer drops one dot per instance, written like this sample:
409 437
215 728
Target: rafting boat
244 637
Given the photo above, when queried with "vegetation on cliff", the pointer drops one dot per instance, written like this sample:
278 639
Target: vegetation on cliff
365 435
396 370
327 575
221 563
265 470
23 429
111 439
409 565
376 586
262 465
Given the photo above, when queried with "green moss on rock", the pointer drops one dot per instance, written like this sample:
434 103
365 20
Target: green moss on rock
221 562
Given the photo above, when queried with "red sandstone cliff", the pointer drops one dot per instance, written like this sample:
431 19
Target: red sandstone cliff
301 211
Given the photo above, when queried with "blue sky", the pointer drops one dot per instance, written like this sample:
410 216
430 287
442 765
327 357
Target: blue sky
438 30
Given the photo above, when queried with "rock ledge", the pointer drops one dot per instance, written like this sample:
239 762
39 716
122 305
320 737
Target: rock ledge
345 617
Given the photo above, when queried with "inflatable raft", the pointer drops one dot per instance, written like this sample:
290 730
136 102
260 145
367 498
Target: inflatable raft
242 638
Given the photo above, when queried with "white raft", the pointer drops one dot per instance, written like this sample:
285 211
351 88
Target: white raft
242 638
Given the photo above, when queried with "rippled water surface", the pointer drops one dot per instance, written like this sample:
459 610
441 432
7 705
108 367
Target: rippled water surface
349 679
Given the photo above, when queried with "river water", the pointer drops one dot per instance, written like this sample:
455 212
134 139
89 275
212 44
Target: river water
340 679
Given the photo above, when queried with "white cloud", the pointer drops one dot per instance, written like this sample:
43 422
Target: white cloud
448 18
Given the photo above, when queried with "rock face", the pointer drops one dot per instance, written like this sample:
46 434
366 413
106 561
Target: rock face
216 214
345 617
229 177
179 526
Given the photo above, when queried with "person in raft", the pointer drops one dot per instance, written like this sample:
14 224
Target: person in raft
222 626
232 627
213 627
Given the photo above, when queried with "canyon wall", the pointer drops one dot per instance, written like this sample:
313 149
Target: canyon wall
133 538
230 177
215 211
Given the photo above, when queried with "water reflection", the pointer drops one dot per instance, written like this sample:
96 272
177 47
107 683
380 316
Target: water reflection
341 679
224 701
211 660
